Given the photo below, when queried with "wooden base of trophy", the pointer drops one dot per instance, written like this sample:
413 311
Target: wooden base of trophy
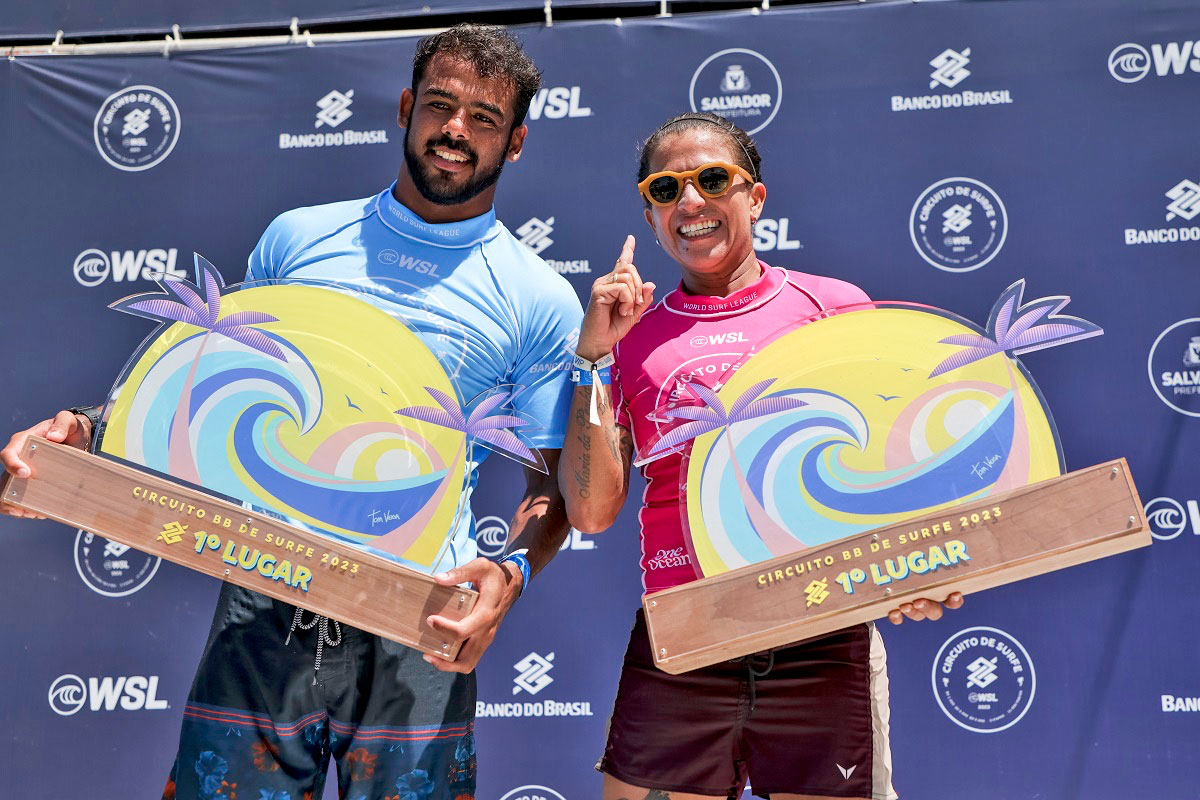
218 538
1047 526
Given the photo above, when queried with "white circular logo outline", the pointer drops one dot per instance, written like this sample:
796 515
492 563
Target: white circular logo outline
79 261
1133 48
761 57
79 534
1028 660
76 698
1150 367
161 156
912 229
550 792
1169 504
483 537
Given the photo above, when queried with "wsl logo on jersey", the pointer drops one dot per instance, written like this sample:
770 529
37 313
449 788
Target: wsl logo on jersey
983 679
111 568
949 70
958 224
1182 208
93 267
333 109
1174 366
739 84
70 694
1130 62
1169 519
557 102
136 128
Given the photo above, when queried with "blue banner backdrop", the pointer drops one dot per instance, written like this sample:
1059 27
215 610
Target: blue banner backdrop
1068 125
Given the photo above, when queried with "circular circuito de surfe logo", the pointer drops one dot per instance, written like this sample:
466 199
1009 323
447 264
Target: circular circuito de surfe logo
741 85
958 224
110 568
983 679
1174 366
136 128
532 792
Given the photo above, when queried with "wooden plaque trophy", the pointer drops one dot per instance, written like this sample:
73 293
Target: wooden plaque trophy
867 457
293 439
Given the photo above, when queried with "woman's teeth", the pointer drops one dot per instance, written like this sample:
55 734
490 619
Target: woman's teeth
699 228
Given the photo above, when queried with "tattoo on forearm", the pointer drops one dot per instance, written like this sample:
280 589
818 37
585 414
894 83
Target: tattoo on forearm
583 472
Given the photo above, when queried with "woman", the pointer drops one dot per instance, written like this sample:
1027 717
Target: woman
804 721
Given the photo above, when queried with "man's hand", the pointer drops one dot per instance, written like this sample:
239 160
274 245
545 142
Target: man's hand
66 428
924 608
498 586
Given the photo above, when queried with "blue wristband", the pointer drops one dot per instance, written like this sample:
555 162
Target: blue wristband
519 558
586 377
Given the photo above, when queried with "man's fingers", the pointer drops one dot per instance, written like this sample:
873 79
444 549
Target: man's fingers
930 608
955 600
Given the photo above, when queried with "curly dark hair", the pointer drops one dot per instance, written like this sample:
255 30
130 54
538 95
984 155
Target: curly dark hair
493 52
744 148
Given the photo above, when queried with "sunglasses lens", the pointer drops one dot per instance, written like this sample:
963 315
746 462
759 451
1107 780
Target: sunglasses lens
713 181
664 189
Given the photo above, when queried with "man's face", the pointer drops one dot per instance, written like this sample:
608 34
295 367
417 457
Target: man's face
458 131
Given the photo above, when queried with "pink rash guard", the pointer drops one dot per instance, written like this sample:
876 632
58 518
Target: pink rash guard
685 336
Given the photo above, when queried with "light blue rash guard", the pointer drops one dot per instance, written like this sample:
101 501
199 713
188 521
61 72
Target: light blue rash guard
490 309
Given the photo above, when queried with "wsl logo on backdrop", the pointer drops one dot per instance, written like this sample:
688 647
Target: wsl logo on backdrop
70 694
739 84
1182 207
491 536
958 224
558 102
1169 519
93 267
535 234
332 110
949 70
1174 366
136 128
772 234
983 679
1130 62
111 568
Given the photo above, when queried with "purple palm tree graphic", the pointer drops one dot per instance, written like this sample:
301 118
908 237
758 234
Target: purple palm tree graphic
187 307
1014 328
496 430
712 416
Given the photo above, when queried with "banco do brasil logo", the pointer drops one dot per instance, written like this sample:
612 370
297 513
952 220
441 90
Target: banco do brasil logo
136 128
958 224
1174 366
983 679
738 84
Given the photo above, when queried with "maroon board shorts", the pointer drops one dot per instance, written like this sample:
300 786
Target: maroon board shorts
809 719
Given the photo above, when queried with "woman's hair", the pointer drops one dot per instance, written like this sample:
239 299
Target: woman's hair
746 153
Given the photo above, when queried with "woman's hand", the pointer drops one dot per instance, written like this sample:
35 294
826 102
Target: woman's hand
618 301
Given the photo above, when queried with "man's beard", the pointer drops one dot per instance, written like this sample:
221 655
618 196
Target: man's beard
481 180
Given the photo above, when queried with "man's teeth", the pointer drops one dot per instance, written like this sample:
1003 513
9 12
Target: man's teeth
699 228
449 155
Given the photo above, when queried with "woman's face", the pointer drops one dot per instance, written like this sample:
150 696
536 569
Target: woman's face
705 234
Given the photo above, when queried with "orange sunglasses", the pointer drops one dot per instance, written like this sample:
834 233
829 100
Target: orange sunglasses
711 180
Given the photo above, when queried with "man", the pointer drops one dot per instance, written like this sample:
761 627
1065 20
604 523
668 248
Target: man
279 691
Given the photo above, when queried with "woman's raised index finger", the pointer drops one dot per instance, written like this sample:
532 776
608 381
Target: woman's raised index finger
626 256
